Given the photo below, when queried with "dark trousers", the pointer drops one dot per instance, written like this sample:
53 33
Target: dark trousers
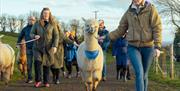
55 72
128 72
46 70
62 69
69 65
38 73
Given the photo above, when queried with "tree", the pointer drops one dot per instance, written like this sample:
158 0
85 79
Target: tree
13 23
74 26
3 22
22 19
170 9
64 26
35 14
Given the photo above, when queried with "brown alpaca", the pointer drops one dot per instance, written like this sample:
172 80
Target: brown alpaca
21 57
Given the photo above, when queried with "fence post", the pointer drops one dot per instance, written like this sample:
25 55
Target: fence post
163 63
171 62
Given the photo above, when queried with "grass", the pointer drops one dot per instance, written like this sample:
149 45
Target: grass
172 82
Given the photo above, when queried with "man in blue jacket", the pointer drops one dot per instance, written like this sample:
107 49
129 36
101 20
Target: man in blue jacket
25 33
104 43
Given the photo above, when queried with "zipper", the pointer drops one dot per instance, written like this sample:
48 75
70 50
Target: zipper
141 30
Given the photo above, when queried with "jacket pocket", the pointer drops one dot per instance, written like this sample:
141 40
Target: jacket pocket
147 35
130 34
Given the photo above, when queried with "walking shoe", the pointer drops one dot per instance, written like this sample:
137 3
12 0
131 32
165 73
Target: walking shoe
69 76
104 79
47 85
37 84
57 82
64 74
128 78
29 81
124 79
78 75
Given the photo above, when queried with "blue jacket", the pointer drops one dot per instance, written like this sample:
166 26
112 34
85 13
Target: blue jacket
25 33
104 45
70 52
120 51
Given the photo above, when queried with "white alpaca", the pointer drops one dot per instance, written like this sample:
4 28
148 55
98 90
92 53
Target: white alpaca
7 59
90 56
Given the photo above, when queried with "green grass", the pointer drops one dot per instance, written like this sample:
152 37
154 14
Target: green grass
172 82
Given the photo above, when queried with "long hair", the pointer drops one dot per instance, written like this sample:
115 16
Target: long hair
51 19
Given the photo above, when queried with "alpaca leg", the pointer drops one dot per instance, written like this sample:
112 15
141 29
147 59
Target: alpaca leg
96 78
6 75
20 67
89 86
24 70
95 84
1 75
88 80
12 66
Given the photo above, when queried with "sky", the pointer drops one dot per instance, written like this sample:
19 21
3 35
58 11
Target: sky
109 10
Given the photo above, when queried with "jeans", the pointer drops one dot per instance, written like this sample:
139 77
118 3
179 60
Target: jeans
104 71
141 59
29 63
29 66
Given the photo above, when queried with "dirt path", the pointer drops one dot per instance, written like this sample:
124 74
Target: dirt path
75 84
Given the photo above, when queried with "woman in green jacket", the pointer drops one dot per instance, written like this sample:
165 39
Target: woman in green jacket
46 33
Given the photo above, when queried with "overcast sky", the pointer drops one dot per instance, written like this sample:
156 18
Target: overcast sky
109 10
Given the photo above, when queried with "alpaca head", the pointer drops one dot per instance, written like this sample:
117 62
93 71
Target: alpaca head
90 26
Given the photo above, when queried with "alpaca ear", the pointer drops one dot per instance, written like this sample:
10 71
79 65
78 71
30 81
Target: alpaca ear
1 36
84 19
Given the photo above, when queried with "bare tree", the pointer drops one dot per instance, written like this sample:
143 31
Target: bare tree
64 26
74 25
170 9
13 23
3 22
35 14
22 19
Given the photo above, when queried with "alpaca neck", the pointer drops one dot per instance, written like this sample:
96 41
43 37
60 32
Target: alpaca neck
91 43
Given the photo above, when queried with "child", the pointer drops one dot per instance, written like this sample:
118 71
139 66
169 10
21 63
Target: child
70 57
120 53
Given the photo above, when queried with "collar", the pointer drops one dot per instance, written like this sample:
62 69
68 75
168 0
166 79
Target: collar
135 7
